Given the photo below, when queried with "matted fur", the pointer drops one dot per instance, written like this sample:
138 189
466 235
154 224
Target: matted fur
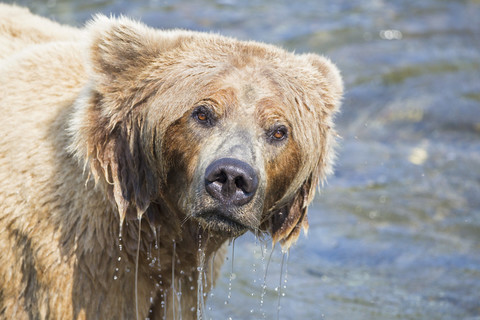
97 135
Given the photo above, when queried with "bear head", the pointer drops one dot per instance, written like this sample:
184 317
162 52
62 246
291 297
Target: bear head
233 135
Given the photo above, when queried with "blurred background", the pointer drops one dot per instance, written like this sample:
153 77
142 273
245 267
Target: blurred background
395 233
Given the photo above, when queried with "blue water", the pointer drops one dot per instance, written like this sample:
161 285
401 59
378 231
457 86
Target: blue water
395 234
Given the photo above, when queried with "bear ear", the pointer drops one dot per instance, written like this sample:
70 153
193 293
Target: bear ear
120 46
333 90
287 222
110 129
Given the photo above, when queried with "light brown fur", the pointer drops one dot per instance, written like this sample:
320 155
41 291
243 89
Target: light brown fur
98 142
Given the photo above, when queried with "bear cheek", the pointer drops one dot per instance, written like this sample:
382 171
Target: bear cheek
180 150
281 169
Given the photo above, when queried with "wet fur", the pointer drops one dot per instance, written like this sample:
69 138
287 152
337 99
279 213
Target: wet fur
97 133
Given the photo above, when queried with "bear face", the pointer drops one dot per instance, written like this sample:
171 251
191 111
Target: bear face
234 135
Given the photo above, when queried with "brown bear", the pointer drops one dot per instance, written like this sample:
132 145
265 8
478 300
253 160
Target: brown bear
129 156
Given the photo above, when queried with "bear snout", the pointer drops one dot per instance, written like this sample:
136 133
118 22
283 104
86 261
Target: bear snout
231 181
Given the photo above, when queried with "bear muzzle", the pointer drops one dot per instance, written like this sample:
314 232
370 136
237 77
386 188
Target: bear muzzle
231 181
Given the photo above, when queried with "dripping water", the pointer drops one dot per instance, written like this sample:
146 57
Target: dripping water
200 279
136 266
119 258
173 277
154 255
280 291
264 285
212 276
232 274
164 305
120 249
212 272
149 252
179 297
156 238
157 245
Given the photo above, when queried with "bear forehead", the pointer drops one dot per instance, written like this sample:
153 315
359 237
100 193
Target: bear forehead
263 66
263 81
246 93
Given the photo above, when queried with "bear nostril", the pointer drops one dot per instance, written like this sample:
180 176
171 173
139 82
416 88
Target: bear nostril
239 183
222 177
231 181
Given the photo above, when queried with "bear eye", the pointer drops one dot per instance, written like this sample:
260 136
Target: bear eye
278 133
203 116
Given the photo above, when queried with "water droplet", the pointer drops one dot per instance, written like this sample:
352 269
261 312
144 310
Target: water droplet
192 309
115 277
119 258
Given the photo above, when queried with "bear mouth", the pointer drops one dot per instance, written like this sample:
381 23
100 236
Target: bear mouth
220 223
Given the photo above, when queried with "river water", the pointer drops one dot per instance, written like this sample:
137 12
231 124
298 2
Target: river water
395 234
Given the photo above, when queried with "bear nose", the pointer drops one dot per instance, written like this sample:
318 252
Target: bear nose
231 181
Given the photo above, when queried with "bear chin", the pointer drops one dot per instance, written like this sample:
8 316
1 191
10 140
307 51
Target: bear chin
221 223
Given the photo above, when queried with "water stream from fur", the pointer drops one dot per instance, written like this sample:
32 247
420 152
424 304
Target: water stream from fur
200 279
205 272
136 266
282 287
119 258
232 274
173 277
212 277
264 284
